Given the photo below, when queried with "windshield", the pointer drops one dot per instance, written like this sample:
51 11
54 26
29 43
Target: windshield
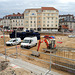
10 40
26 41
13 40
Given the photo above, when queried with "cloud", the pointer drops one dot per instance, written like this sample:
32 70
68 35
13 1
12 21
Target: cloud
66 1
14 6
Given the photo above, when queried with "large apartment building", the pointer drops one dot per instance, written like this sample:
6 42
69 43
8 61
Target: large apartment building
41 19
44 18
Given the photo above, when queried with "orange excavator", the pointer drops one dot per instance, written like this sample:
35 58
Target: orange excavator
50 43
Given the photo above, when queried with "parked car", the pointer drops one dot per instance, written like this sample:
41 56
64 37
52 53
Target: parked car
29 42
13 41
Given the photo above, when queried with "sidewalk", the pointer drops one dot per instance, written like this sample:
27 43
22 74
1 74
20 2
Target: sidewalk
31 67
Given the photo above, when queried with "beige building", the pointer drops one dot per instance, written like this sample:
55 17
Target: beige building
41 19
14 21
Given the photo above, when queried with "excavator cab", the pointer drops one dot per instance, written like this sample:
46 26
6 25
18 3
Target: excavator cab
51 44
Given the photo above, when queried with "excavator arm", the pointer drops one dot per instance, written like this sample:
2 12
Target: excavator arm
40 41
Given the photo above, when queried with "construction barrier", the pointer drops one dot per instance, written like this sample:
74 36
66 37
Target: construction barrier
56 60
64 58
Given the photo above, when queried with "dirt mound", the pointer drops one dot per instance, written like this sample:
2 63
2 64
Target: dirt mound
6 69
11 71
3 65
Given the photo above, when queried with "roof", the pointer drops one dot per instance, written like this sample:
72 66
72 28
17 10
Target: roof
65 15
34 9
48 8
64 27
18 14
43 8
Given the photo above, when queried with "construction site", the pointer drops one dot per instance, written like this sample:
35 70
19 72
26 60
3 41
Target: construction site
59 58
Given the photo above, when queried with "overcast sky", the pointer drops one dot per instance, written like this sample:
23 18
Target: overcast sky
13 6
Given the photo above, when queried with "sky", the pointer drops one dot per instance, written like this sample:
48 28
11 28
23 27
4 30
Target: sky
14 6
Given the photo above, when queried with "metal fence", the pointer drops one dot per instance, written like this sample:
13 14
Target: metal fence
55 60
7 49
62 58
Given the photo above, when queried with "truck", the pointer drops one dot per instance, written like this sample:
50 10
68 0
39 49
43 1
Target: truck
29 42
13 41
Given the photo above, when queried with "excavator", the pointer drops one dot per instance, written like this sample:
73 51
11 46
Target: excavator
50 43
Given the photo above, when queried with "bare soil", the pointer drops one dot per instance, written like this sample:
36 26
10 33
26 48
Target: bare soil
67 42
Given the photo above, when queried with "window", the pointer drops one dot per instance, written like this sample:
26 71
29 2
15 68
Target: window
56 17
39 14
56 21
16 20
34 18
47 21
27 11
44 25
34 22
26 18
31 18
13 21
39 21
56 14
39 17
52 18
34 25
26 14
43 21
51 21
22 24
43 17
51 24
48 17
56 25
44 14
39 10
43 10
48 25
52 14
49 10
48 14
21 21
26 25
16 24
31 25
31 21
26 21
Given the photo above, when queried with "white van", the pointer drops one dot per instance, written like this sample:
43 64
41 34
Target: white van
13 41
29 42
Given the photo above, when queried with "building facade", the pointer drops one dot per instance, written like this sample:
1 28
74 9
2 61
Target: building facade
14 21
67 20
41 19
44 18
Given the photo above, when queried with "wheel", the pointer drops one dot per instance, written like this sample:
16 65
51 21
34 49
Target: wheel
11 44
29 47
36 44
